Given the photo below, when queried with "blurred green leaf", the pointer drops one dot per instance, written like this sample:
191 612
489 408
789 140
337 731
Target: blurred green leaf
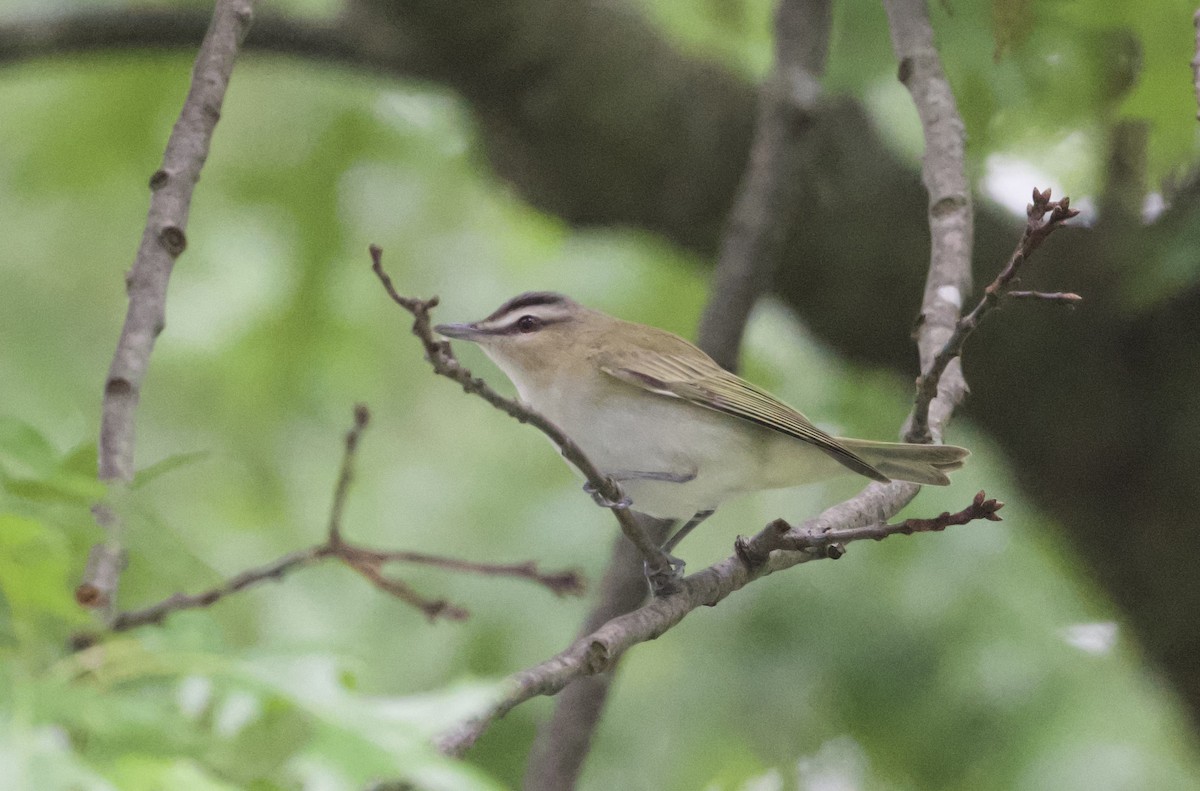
177 461
24 450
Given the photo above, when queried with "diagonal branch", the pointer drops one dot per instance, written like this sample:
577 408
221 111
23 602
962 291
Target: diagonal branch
769 196
163 240
446 364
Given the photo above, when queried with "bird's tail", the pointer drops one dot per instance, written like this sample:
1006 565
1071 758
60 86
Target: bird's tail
927 464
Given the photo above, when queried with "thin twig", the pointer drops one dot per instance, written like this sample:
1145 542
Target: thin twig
366 561
444 363
275 570
362 416
1196 62
1043 218
829 542
1057 297
163 240
560 583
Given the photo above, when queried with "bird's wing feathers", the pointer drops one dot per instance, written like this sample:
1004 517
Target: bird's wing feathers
704 383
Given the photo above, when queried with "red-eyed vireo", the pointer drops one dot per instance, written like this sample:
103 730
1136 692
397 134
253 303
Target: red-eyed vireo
678 432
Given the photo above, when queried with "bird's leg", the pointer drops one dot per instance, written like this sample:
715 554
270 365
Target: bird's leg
691 525
635 475
665 582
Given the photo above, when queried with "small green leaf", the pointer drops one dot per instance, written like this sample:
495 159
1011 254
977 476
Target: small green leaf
81 460
169 464
60 487
25 449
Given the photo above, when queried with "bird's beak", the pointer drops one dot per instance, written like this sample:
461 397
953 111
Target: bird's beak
466 332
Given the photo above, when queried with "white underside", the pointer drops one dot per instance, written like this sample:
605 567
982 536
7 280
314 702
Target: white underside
629 431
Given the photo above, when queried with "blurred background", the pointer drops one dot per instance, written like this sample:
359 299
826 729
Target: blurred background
1050 651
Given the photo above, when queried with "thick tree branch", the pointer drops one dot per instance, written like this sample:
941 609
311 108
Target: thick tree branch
951 221
444 363
366 561
769 196
89 30
162 242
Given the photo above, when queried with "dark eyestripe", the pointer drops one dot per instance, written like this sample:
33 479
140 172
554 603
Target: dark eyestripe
513 329
528 300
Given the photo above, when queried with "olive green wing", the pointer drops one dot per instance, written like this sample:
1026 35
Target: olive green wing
702 382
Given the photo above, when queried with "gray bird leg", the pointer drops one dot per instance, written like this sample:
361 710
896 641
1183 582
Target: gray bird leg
691 525
635 475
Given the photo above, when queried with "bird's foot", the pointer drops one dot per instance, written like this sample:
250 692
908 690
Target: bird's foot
603 501
664 581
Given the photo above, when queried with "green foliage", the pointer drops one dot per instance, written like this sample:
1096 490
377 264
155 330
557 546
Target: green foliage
939 662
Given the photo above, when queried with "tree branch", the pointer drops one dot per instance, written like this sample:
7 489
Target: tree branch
444 363
752 247
89 30
951 222
162 242
769 197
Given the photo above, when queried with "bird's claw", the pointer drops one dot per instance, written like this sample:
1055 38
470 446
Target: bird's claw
604 502
664 581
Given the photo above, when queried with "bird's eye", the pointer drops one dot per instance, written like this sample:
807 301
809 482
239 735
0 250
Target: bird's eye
529 324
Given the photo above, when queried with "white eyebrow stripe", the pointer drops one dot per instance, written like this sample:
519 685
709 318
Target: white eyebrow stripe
547 313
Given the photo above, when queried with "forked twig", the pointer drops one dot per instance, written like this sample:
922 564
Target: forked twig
1044 217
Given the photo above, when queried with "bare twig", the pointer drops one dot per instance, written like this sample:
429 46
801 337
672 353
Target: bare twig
1057 297
1044 217
163 240
444 363
365 561
1196 62
830 542
275 570
362 416
769 197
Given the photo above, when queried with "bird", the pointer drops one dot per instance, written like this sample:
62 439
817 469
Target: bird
678 433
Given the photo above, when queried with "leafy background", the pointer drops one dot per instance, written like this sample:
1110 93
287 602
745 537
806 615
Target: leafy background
981 658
